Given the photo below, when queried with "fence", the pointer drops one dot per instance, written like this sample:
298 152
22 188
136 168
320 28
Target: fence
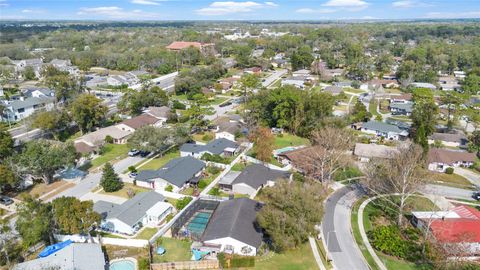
185 216
140 243
271 166
206 264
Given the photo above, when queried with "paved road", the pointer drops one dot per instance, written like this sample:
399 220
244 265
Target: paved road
85 185
450 192
473 177
336 229
220 111
277 74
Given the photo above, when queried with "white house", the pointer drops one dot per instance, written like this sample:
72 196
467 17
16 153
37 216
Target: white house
298 81
145 209
385 130
26 106
35 63
440 159
222 147
233 227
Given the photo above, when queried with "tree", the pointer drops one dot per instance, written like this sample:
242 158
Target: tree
7 176
43 158
474 139
136 101
471 85
65 86
290 213
302 58
327 155
87 111
29 73
149 138
423 116
6 143
402 175
452 100
73 216
110 181
360 113
34 222
264 142
50 121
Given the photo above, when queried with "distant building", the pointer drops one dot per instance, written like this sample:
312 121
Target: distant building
449 83
449 139
334 90
35 63
423 85
182 45
33 101
298 81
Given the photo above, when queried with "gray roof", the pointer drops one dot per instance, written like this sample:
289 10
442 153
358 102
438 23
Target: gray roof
333 89
45 91
256 175
177 171
236 219
229 178
30 102
77 256
382 127
215 147
131 211
450 137
408 107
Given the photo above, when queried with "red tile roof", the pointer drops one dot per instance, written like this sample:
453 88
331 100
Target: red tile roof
463 229
180 45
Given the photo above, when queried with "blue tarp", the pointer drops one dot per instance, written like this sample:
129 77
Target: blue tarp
198 255
54 248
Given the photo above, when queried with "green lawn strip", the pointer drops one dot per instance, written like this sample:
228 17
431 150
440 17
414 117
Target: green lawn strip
353 90
217 101
146 233
109 235
286 139
453 180
297 259
124 191
110 152
372 107
323 254
175 251
158 162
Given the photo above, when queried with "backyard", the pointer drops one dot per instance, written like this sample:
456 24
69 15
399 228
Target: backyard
286 139
110 152
125 190
146 233
300 258
176 250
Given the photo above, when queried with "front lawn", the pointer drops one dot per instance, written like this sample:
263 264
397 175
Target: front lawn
124 191
146 233
454 180
297 259
110 152
175 251
204 137
158 162
286 139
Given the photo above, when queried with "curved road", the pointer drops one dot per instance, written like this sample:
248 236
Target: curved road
336 229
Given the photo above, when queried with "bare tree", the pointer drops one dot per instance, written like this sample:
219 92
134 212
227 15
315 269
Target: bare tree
329 153
401 175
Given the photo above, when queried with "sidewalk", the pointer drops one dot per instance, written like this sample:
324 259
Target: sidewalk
314 247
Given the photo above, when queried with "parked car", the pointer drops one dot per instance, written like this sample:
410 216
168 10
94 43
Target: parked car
476 195
133 152
144 153
132 174
5 200
225 104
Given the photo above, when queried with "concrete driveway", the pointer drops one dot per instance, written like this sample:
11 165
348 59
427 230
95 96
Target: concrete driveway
95 197
471 176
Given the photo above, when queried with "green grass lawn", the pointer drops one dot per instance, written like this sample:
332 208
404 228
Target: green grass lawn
286 139
297 259
146 233
372 107
111 152
239 166
176 250
449 179
353 90
203 137
217 101
124 191
158 162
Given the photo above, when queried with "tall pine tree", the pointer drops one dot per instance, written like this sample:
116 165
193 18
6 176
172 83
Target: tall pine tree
110 181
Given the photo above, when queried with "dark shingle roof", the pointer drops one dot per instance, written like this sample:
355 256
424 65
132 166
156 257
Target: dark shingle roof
215 147
382 127
256 175
177 171
236 219
140 121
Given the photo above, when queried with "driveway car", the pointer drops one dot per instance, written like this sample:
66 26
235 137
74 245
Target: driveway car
5 200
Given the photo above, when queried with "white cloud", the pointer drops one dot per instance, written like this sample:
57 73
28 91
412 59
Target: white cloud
229 7
33 11
3 3
346 3
410 4
317 11
453 15
146 2
114 12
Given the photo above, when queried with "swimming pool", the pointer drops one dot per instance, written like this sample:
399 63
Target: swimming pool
122 265
199 222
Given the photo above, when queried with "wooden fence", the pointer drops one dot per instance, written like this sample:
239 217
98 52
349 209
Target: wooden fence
206 264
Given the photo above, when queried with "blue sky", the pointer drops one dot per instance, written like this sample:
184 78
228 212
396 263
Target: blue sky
236 10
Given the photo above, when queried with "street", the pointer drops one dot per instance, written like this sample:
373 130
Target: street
449 192
277 74
336 229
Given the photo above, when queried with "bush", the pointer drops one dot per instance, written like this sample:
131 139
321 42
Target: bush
108 139
183 202
207 137
213 170
143 264
388 239
449 170
214 191
177 105
202 184
215 158
169 188
347 173
132 169
298 177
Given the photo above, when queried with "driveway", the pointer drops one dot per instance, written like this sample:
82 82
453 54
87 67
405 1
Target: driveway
277 74
92 180
95 197
220 111
449 192
336 229
473 177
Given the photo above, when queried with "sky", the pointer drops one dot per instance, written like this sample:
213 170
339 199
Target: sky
237 10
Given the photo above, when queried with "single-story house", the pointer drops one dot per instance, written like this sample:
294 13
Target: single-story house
456 229
233 227
365 152
222 147
403 98
182 45
161 113
253 178
301 73
440 159
97 138
253 70
423 85
298 81
449 139
460 74
78 256
228 128
381 129
401 108
449 83
146 208
177 173
343 84
334 90
140 121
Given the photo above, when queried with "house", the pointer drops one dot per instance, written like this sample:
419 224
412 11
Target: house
145 209
279 62
449 83
403 98
257 53
449 139
295 156
228 128
459 74
229 62
343 84
440 159
253 70
65 66
140 121
301 73
25 106
365 152
298 81
161 113
38 92
233 227
35 63
334 90
177 173
385 130
253 178
78 256
182 45
222 147
423 85
457 229
92 141
401 108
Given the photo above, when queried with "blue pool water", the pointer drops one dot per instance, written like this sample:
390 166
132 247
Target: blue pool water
122 265
199 222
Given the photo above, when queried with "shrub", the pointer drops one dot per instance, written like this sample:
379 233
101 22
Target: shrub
213 170
108 139
207 137
202 184
388 240
214 191
347 173
143 264
298 177
215 158
183 202
449 170
132 169
242 261
177 105
169 188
